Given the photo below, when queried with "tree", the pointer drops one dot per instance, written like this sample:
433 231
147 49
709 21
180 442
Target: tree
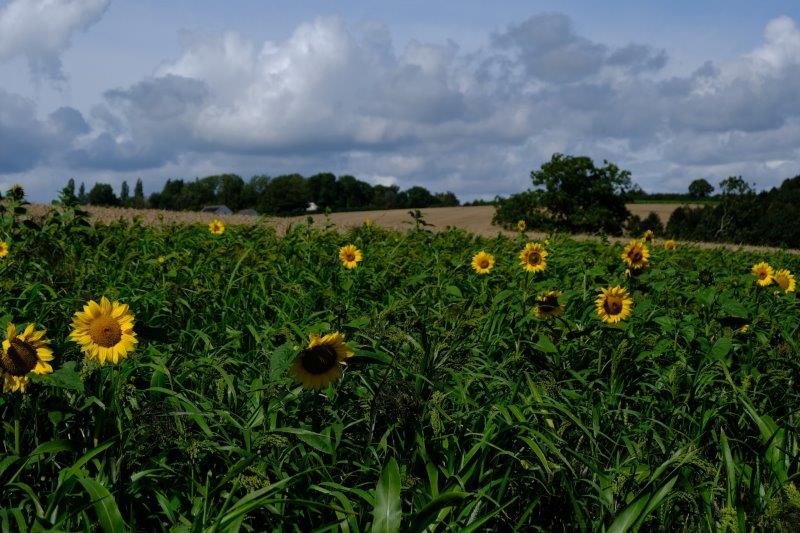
322 189
138 194
82 194
103 194
700 189
578 196
67 194
287 195
124 194
231 192
419 197
446 199
734 186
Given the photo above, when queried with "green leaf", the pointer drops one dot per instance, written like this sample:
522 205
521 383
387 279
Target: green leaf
720 348
387 511
315 440
280 360
427 514
104 505
544 344
64 377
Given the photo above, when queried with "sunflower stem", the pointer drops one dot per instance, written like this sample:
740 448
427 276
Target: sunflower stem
17 448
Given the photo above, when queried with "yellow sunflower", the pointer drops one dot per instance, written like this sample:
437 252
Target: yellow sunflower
104 331
533 257
216 226
482 262
763 274
3 248
23 353
614 304
547 305
520 225
636 255
321 362
649 236
350 256
669 244
785 280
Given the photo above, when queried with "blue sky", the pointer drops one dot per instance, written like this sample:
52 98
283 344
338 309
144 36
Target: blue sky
465 96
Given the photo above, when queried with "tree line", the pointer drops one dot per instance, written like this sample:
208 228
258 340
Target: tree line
289 194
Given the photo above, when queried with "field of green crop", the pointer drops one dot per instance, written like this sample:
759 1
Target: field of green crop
460 410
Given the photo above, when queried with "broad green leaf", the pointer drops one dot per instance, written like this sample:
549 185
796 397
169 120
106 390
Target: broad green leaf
387 512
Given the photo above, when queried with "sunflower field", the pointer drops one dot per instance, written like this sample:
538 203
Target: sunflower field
194 378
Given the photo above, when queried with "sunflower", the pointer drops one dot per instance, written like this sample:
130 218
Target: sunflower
321 362
23 353
350 256
763 273
520 225
533 257
216 226
636 255
785 280
104 331
614 304
3 248
482 263
547 305
669 244
649 236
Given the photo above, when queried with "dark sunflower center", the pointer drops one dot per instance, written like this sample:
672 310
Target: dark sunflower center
534 258
612 305
105 331
548 304
762 275
484 263
635 256
318 360
19 359
350 257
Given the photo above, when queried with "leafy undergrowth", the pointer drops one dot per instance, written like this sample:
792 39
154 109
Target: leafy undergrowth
460 411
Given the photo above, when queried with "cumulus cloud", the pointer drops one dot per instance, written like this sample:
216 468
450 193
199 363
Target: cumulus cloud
40 30
349 99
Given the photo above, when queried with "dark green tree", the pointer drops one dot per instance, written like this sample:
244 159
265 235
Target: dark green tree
103 194
138 194
286 195
67 194
124 194
82 194
419 197
322 190
700 189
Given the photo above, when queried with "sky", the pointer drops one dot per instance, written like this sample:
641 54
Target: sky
465 96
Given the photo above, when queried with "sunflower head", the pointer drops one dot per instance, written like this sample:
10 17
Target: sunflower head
320 363
482 262
521 225
613 304
763 273
350 256
216 226
533 257
649 236
670 244
23 353
3 248
785 280
104 331
547 305
636 255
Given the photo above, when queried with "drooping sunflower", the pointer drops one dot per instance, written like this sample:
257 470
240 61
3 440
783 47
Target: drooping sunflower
104 331
636 255
614 304
533 257
547 305
321 362
763 273
521 225
669 244
23 353
482 262
3 248
785 280
350 256
216 226
649 236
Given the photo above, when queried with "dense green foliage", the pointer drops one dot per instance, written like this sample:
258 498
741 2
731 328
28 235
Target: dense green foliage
282 195
743 216
460 410
571 194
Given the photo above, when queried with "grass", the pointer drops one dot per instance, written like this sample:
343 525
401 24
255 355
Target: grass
460 411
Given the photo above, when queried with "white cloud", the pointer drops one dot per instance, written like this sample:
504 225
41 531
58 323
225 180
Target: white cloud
40 30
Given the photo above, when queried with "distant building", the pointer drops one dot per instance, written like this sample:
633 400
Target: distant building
217 210
311 207
248 212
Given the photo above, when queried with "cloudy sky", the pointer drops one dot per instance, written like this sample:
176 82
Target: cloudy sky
466 96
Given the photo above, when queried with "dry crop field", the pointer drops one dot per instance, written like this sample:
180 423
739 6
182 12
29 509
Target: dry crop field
233 377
